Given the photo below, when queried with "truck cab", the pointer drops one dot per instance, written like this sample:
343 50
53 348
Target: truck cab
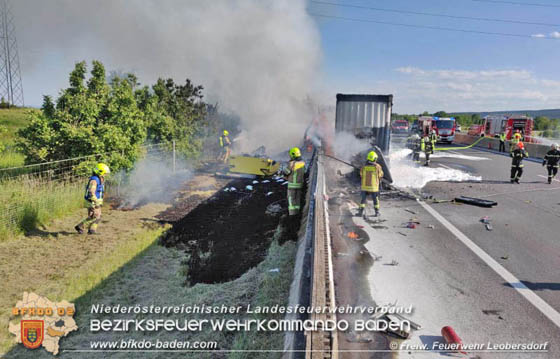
445 128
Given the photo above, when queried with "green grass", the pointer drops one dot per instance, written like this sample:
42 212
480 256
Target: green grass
12 120
25 204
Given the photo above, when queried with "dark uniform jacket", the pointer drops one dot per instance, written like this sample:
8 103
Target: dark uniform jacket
517 157
552 158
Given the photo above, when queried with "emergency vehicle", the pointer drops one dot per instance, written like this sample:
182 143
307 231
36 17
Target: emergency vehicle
445 128
494 125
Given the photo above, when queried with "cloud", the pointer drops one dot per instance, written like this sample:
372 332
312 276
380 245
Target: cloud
552 35
472 90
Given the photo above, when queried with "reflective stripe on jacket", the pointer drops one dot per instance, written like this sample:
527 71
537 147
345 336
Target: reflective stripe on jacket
517 157
552 158
295 174
371 175
224 141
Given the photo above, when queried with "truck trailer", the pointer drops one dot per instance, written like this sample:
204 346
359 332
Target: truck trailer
367 117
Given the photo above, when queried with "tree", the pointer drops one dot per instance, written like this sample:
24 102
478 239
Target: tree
88 118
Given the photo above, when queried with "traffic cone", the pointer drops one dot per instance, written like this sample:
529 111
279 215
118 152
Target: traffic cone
452 338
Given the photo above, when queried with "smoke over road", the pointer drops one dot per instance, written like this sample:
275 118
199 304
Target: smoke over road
257 58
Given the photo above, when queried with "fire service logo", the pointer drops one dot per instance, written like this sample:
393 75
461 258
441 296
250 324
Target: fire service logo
36 321
32 332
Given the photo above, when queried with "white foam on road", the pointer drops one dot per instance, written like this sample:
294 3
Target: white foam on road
406 174
458 156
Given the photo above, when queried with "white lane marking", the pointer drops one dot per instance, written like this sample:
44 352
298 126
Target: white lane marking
554 179
515 283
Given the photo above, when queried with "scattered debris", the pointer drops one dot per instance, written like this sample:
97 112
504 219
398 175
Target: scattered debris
393 263
493 312
476 201
485 220
353 235
414 220
430 226
411 225
505 257
249 187
489 227
452 338
402 234
409 211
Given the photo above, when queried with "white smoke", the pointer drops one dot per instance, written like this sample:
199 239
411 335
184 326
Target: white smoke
257 58
407 175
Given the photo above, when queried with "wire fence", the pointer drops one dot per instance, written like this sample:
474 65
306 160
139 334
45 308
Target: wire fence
35 193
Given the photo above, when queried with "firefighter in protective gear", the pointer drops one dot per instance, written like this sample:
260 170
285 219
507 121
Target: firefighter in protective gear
371 175
515 139
95 189
427 147
551 160
225 147
503 142
294 173
414 143
433 139
517 155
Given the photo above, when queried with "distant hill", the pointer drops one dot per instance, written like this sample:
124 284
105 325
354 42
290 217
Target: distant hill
552 113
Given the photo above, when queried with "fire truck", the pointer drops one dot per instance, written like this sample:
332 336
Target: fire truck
445 127
494 125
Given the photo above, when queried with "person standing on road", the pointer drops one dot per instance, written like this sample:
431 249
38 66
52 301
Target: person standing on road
551 160
294 173
225 147
371 174
95 189
503 142
433 139
517 155
427 147
515 139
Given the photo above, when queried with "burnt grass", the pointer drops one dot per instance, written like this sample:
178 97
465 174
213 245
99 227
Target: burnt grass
230 232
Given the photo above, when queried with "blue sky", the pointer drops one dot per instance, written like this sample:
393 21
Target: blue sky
232 46
432 69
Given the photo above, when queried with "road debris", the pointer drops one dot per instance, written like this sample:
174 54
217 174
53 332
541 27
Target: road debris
249 187
409 211
402 234
476 201
393 263
504 257
411 225
430 226
452 338
353 235
487 224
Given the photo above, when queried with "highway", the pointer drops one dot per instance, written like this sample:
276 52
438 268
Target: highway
495 287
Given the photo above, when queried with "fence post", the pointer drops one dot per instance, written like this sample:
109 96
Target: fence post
173 156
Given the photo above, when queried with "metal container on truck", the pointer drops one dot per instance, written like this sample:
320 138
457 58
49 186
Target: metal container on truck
367 117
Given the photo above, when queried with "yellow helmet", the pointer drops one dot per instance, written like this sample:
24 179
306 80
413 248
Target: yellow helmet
295 153
372 156
226 133
101 169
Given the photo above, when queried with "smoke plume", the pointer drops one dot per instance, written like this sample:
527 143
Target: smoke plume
257 58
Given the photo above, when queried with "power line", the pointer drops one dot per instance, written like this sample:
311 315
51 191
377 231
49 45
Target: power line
434 27
517 3
435 15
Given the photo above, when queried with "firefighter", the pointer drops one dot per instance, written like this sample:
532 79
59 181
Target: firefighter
517 155
371 174
294 174
427 147
94 196
225 146
503 142
551 160
433 138
515 139
417 148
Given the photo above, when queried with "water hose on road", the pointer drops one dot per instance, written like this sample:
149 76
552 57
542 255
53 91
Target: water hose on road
459 148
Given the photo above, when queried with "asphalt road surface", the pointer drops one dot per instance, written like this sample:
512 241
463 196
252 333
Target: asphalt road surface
496 288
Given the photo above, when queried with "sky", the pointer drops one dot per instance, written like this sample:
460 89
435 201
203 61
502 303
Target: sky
286 43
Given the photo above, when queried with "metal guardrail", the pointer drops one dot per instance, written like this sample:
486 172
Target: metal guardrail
321 343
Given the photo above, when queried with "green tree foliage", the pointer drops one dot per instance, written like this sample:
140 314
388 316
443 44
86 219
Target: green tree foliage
2 131
88 117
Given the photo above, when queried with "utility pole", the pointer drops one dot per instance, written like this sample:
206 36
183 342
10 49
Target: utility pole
11 88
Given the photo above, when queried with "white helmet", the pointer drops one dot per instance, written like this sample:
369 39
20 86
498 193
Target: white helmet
555 146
